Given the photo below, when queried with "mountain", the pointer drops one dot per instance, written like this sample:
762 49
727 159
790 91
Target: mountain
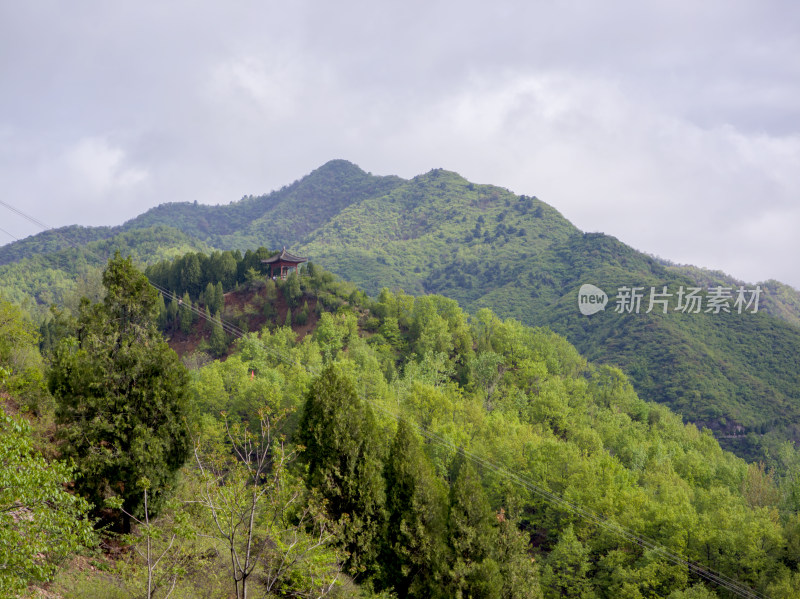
283 217
779 299
484 246
739 374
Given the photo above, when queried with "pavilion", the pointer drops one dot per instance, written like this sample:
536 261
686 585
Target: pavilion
283 263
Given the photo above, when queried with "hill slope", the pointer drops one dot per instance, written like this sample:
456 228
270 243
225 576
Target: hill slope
487 247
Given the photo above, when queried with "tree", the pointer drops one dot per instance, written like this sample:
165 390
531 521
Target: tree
191 275
19 352
40 522
219 298
518 570
218 341
416 517
344 464
566 571
253 508
292 289
210 296
121 395
472 536
156 545
186 314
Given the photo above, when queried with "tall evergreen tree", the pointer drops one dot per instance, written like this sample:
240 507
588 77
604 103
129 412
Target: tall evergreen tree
161 308
218 341
416 504
209 296
219 298
121 394
172 313
343 456
185 314
472 537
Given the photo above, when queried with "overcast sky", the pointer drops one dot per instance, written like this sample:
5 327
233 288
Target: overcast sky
673 125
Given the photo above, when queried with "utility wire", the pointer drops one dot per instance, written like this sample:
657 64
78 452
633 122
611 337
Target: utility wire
27 217
708 574
9 234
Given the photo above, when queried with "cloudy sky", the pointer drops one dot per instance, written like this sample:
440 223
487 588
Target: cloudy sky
672 125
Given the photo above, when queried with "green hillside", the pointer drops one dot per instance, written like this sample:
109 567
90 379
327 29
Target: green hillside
779 299
487 247
398 447
738 374
39 280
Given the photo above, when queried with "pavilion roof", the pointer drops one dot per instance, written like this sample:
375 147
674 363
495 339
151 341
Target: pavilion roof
284 256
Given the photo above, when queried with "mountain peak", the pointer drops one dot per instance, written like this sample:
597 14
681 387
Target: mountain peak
339 166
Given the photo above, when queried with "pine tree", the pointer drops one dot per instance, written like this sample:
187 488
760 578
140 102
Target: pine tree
344 464
518 569
209 320
121 395
416 519
210 296
292 289
162 313
172 314
472 537
219 298
218 341
185 314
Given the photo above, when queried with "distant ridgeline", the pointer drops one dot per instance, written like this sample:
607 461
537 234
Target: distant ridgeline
485 247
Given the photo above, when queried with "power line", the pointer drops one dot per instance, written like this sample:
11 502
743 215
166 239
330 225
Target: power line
708 574
27 217
9 234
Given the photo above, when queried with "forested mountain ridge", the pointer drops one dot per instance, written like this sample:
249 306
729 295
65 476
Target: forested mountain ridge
487 247
40 280
282 217
779 299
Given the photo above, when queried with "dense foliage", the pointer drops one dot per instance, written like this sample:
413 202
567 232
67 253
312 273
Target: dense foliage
41 524
401 447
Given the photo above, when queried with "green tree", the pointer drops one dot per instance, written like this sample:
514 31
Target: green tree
19 351
40 522
416 519
219 298
185 314
218 341
172 314
191 275
566 570
472 537
121 394
210 296
344 464
253 507
518 570
162 313
292 290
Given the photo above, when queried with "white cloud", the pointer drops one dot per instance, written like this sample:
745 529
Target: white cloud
99 169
